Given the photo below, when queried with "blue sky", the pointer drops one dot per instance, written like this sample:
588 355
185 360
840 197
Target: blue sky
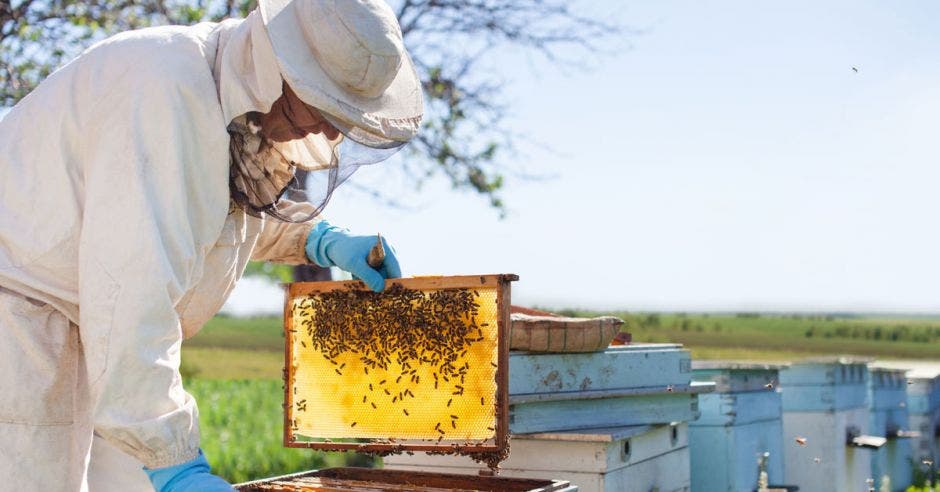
728 157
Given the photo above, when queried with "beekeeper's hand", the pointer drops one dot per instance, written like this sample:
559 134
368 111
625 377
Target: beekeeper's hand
331 246
191 476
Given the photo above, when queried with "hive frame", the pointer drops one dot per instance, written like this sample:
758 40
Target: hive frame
500 444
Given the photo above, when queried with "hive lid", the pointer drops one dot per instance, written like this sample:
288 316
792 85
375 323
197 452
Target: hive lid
422 366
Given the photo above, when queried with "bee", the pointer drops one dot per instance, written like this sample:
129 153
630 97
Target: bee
801 441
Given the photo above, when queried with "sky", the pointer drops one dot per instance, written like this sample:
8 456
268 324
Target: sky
729 157
723 156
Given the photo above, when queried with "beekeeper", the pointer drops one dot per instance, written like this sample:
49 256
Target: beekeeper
137 181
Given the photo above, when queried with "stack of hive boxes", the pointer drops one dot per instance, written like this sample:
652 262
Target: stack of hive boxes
740 425
613 420
887 398
825 425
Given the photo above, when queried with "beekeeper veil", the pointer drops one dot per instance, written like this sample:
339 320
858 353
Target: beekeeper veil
345 59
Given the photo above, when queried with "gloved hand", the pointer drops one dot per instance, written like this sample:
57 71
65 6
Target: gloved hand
331 246
191 476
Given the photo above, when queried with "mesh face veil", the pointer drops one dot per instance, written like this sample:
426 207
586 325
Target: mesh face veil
263 175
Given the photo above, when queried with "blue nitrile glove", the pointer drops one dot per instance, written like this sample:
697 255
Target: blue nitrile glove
191 476
331 246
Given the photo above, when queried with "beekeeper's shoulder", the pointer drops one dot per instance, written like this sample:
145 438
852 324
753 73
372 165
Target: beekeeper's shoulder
154 60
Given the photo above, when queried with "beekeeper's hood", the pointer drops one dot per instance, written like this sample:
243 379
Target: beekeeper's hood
347 60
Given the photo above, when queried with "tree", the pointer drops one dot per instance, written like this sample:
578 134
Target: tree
464 137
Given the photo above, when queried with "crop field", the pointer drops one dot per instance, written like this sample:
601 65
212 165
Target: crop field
786 336
233 368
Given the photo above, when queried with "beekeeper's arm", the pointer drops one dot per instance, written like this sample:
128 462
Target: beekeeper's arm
155 199
323 244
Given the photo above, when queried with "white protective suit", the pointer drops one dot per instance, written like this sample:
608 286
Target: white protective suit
117 241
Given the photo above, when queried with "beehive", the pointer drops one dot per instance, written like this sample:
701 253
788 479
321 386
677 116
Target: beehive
419 367
825 422
369 480
739 422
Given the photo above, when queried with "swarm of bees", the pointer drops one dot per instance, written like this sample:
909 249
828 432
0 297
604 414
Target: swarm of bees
415 328
397 332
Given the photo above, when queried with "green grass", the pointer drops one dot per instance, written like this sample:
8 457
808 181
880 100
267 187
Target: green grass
226 363
242 429
241 333
235 348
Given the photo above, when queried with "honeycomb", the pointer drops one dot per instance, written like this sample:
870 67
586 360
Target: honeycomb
407 364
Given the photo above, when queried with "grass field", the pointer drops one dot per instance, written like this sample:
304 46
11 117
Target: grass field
233 368
241 424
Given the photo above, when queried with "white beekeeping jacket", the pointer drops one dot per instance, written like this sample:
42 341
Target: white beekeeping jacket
115 209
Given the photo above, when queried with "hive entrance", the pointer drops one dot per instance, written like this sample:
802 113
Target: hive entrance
419 367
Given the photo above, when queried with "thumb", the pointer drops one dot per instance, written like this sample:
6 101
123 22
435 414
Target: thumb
372 278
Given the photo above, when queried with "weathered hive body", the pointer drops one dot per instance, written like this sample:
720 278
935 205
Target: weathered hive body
633 458
888 406
739 422
825 419
923 403
923 406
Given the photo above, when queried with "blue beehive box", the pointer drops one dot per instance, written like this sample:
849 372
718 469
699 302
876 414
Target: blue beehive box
626 459
887 396
625 385
825 425
923 405
739 422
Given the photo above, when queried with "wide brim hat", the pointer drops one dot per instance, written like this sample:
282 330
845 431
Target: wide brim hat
347 59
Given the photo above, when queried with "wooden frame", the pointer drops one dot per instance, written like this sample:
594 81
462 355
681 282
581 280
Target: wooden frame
371 479
499 282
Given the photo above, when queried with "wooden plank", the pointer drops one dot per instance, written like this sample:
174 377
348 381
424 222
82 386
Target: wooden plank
503 305
628 366
731 409
297 289
548 416
694 388
561 458
737 380
375 480
603 434
287 372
